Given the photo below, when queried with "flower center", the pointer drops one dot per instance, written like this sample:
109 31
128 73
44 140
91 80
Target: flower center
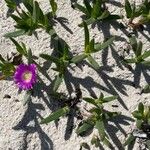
27 75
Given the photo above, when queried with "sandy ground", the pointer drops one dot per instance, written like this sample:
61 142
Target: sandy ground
19 125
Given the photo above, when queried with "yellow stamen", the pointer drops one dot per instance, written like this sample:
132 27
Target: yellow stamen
27 76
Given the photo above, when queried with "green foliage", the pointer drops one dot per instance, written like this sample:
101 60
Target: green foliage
142 11
11 4
140 57
142 117
6 68
95 12
61 61
55 115
98 118
53 6
28 21
91 47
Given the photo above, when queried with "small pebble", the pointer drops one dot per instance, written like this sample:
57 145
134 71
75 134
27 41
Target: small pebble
7 96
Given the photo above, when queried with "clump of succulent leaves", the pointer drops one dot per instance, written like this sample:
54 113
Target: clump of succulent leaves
141 57
91 47
31 19
98 118
97 11
61 61
142 131
142 12
67 103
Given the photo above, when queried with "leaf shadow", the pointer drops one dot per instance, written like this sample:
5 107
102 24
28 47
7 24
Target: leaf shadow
31 115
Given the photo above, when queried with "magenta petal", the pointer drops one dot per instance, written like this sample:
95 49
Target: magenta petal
25 76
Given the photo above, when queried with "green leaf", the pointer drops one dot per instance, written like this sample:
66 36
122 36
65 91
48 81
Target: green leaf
139 49
146 89
137 114
11 4
36 12
81 8
104 45
50 58
55 115
57 82
141 108
15 33
129 140
88 22
54 6
87 125
92 62
88 7
18 47
78 58
128 9
91 101
101 128
96 11
27 97
134 44
104 15
108 99
139 123
95 141
146 54
85 146
91 45
130 61
112 17
86 33
29 56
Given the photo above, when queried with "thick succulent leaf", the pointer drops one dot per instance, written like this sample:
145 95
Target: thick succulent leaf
15 33
139 49
137 115
90 100
146 54
55 115
87 125
19 48
128 9
141 108
11 4
104 45
50 58
86 35
88 22
88 7
81 8
78 58
101 129
130 61
54 6
84 146
108 99
93 63
57 82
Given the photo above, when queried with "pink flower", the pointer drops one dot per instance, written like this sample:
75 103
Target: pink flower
25 76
